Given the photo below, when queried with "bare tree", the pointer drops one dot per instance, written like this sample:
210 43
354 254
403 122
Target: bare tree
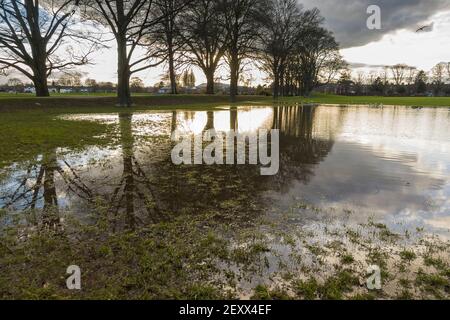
438 76
447 68
317 49
296 49
164 40
129 21
332 67
360 80
33 38
241 22
72 79
411 73
205 37
279 35
398 73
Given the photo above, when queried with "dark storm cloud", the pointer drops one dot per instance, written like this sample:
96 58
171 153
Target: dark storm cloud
347 18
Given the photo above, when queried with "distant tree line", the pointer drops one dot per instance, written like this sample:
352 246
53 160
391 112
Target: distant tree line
396 80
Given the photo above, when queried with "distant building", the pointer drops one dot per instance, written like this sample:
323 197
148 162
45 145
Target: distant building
29 90
164 90
66 90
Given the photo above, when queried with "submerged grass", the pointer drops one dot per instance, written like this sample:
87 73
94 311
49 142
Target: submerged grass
152 262
188 257
28 134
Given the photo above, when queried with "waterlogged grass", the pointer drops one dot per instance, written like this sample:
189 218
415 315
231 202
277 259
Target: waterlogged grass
193 257
27 134
153 262
155 101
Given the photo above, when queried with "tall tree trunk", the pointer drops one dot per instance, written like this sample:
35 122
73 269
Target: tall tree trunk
123 72
276 86
209 81
41 86
39 53
234 76
172 76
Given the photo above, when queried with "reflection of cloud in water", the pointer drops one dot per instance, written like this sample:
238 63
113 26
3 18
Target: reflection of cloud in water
390 163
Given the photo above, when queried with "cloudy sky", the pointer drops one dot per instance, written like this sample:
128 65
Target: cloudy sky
397 41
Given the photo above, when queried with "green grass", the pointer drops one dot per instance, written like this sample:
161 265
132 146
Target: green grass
149 263
151 100
395 101
407 255
334 288
29 133
5 95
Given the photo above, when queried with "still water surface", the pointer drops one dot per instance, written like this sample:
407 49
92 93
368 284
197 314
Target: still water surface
387 163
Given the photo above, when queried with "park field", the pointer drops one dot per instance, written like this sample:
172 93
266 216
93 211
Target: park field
395 101
12 101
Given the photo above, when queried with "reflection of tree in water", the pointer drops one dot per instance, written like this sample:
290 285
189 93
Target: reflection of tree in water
300 149
225 192
232 192
37 188
209 121
148 191
234 125
134 195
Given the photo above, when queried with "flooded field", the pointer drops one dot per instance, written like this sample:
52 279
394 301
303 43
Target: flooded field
357 186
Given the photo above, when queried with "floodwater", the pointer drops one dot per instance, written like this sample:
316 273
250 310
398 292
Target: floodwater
389 163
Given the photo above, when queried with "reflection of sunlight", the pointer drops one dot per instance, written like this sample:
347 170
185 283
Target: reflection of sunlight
222 121
254 119
192 122
107 118
249 120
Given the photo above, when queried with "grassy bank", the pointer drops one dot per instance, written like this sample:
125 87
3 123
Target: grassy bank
395 101
99 102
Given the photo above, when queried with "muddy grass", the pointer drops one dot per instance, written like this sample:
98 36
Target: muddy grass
193 257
